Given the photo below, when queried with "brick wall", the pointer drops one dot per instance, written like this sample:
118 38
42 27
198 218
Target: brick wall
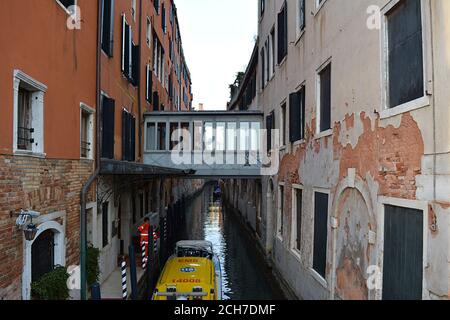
43 185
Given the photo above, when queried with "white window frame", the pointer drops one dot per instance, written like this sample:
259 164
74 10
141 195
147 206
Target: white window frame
283 124
294 249
318 6
271 56
67 9
38 90
280 214
425 100
149 32
133 9
319 133
409 204
84 108
322 281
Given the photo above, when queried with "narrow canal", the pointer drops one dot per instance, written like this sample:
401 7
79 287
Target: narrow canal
245 274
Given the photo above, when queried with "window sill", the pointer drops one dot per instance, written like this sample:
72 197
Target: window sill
31 154
299 36
406 107
298 143
318 278
297 254
324 134
279 65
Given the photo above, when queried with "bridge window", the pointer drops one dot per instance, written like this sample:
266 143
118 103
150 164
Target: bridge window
231 136
244 136
220 136
198 132
255 136
161 137
209 136
185 135
174 135
151 136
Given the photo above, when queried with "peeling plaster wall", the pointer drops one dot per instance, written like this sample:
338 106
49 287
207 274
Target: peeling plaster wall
367 158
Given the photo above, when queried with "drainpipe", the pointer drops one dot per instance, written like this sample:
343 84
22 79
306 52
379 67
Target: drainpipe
93 177
139 81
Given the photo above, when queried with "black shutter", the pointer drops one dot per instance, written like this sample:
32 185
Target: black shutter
149 84
282 33
403 254
269 127
155 101
294 117
132 138
108 128
135 66
406 72
325 98
303 112
320 233
108 27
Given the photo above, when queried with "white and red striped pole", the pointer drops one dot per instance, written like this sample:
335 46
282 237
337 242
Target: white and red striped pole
124 280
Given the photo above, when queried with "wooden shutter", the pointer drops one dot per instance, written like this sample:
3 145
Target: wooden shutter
108 27
403 254
302 112
135 65
270 120
155 101
282 33
320 233
406 71
124 41
108 128
132 138
325 98
294 117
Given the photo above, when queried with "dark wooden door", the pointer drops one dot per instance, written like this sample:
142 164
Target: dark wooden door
403 254
320 233
42 255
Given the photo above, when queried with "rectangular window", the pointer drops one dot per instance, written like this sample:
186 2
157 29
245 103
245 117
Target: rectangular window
283 127
297 115
262 4
282 33
127 49
86 134
108 106
272 37
325 98
405 53
263 69
151 137
28 134
149 32
149 84
270 55
403 253
280 220
163 18
161 137
298 207
270 125
25 130
156 5
301 20
108 27
320 233
105 224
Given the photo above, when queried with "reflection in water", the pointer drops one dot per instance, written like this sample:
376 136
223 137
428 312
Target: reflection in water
245 276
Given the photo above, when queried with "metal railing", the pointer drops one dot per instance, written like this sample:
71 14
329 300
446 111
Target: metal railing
24 138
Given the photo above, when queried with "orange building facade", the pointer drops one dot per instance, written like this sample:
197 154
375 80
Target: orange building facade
56 99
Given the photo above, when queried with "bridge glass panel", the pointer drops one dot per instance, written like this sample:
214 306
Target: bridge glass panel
151 136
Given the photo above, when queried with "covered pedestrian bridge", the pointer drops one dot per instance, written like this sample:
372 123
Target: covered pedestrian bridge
207 143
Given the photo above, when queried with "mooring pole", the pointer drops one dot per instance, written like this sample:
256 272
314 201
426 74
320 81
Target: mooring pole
133 276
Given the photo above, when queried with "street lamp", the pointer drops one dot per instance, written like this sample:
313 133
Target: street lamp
29 229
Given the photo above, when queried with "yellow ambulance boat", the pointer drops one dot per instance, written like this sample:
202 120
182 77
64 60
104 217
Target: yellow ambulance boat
192 273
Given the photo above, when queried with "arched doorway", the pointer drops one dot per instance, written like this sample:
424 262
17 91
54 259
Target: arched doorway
42 255
354 253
